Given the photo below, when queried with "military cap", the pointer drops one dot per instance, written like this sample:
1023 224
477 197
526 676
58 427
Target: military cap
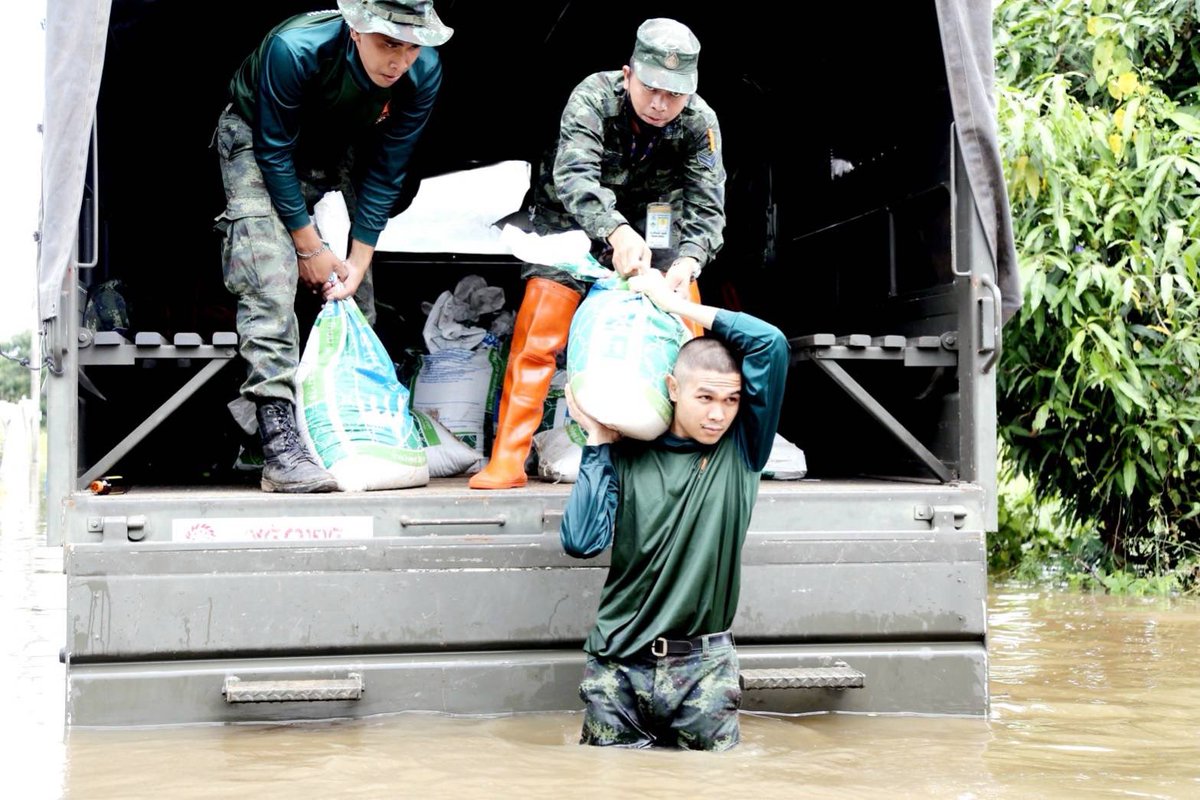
412 21
665 56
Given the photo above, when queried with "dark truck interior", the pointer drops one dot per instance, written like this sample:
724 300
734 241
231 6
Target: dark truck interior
866 252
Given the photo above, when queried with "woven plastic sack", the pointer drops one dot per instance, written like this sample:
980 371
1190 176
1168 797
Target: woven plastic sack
567 251
453 386
554 408
620 351
447 455
560 452
786 463
352 409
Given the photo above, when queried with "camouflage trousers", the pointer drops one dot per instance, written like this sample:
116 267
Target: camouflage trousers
259 261
690 702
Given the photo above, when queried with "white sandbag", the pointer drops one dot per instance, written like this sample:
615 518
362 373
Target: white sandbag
352 410
569 251
560 451
787 462
447 455
557 445
453 386
554 410
333 221
621 349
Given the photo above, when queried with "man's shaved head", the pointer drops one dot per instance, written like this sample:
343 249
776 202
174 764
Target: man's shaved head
704 353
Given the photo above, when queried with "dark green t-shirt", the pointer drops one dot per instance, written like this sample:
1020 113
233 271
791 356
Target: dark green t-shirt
677 511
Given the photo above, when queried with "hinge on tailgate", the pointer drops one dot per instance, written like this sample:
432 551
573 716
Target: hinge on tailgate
942 516
132 527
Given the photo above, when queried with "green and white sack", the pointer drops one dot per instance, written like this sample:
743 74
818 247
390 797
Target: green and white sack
448 456
621 349
453 386
352 410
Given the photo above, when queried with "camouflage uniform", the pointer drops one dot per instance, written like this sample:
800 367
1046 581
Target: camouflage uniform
606 169
260 267
306 118
690 702
107 309
594 180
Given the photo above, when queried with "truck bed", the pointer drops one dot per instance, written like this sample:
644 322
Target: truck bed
448 599
458 485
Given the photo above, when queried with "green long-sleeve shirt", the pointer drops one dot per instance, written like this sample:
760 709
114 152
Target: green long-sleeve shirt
308 99
677 511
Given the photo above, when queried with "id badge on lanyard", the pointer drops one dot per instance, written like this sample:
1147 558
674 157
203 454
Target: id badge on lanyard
658 225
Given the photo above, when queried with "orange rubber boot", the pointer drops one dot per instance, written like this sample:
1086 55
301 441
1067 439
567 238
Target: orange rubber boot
694 295
541 329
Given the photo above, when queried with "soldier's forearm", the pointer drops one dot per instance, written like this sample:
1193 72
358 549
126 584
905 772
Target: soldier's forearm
306 239
361 253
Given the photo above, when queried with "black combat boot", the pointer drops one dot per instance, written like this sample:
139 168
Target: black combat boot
287 464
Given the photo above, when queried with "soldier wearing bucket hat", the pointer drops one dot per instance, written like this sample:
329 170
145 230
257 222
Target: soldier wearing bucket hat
328 101
637 166
414 22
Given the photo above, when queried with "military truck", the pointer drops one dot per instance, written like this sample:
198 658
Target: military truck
867 218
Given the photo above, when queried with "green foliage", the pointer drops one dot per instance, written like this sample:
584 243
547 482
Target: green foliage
1098 40
1129 583
1036 540
1038 543
14 378
1099 388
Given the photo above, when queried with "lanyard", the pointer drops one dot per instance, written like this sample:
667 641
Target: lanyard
647 140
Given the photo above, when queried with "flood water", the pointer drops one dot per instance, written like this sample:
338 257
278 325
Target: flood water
1092 696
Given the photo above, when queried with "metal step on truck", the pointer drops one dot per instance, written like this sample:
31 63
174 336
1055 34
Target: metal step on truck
867 219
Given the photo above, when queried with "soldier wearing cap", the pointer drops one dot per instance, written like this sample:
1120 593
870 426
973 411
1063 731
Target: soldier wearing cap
637 166
331 100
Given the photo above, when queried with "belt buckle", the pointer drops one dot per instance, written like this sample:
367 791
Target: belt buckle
654 647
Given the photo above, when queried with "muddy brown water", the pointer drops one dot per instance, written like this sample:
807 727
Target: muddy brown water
1092 696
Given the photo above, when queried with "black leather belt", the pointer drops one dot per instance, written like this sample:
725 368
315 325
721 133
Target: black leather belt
663 646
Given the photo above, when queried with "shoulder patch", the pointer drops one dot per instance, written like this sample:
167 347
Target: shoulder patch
707 154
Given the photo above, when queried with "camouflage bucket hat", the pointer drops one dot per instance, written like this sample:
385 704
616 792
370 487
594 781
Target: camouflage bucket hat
407 20
665 56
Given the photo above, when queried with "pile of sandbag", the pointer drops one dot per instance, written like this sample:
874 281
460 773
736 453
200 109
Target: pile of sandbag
458 381
363 425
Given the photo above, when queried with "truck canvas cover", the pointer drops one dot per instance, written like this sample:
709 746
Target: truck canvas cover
867 219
